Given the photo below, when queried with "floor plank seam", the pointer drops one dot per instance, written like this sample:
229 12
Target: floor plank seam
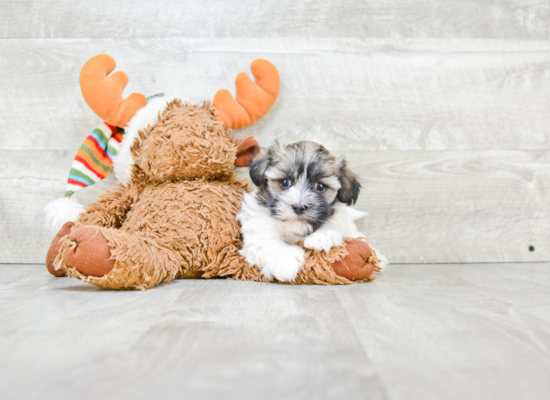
356 334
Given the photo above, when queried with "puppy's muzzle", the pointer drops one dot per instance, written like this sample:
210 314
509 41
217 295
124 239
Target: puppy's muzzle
299 208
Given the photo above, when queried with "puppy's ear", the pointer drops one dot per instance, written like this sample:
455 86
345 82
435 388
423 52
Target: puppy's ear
258 167
349 192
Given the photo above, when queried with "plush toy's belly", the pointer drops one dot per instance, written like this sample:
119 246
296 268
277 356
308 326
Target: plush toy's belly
195 218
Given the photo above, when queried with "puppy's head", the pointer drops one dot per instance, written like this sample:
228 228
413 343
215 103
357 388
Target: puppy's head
300 183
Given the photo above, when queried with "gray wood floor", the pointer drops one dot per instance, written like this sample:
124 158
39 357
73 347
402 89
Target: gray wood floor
476 331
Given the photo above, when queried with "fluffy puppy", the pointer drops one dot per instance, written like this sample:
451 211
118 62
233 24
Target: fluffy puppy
302 193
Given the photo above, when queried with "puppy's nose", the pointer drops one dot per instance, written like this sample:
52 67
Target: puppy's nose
299 208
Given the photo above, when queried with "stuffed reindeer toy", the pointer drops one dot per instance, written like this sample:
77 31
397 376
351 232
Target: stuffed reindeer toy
174 212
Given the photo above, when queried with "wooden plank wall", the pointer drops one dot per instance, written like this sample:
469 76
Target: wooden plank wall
443 108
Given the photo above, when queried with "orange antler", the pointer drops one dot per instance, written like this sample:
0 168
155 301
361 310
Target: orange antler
103 93
254 100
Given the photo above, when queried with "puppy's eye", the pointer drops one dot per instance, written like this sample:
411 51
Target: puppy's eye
286 183
319 187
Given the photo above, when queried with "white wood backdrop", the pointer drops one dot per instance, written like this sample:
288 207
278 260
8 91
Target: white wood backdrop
443 108
501 19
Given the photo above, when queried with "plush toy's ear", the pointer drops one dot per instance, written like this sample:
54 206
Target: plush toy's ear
349 192
247 149
253 100
258 167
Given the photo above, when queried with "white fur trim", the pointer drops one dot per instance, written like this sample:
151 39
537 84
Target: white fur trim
61 210
148 115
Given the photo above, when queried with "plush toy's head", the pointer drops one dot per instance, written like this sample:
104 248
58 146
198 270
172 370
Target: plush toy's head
189 142
163 138
180 140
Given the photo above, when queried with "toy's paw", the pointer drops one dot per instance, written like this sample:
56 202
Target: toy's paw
354 266
53 251
323 239
90 253
285 266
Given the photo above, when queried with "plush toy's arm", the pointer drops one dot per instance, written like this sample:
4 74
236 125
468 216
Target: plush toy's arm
110 209
339 253
354 260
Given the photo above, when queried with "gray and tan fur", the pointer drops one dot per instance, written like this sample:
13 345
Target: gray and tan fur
317 182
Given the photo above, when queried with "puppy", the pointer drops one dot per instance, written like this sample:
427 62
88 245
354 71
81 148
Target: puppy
302 193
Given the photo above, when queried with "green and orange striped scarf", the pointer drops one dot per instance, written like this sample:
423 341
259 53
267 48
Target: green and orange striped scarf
94 159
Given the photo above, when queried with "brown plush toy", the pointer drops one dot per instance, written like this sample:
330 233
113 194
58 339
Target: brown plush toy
173 215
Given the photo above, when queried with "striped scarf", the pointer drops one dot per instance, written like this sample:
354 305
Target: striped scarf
94 159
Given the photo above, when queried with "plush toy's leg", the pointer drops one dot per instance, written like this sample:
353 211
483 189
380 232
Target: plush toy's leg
114 259
351 262
89 253
230 264
53 251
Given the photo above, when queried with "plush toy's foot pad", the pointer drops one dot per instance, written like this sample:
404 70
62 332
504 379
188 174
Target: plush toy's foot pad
53 251
90 253
354 266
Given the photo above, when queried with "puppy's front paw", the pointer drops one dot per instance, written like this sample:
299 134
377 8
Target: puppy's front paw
285 266
324 240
